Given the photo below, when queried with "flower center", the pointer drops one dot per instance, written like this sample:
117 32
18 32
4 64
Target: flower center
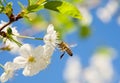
8 71
31 59
50 40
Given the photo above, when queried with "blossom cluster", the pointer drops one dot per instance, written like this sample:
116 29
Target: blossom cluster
99 69
104 12
31 60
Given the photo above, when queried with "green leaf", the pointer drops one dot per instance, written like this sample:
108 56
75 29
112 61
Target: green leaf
8 9
34 8
33 2
1 9
21 5
63 8
40 1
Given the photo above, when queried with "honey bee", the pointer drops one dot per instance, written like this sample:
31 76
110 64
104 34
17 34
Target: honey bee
65 48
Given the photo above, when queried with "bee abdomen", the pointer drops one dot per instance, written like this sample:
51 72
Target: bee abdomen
69 52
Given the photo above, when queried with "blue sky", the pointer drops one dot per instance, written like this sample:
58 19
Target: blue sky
102 35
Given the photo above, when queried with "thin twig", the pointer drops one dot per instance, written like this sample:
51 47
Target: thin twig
5 26
13 19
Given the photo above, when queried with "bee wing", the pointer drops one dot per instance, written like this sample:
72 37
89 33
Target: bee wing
73 45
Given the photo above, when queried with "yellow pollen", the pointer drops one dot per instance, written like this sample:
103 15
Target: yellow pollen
50 40
8 71
31 59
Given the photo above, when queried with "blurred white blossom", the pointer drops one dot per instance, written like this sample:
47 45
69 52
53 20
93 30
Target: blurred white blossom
99 70
73 70
9 70
106 13
87 16
10 44
91 75
90 4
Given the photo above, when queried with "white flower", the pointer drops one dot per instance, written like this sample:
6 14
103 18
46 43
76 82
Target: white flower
12 45
32 60
48 50
9 69
51 37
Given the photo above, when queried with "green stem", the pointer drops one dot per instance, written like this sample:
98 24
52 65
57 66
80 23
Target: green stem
33 38
12 39
18 43
38 38
2 66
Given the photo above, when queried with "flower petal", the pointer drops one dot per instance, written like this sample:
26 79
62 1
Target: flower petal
4 77
50 28
26 71
25 50
48 50
10 65
38 51
9 69
31 69
21 61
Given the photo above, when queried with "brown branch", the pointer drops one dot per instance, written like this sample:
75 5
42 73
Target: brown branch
5 26
12 19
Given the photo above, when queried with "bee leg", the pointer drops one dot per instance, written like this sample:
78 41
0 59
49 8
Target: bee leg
62 55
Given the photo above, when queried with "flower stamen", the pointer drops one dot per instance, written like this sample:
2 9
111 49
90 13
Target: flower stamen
31 59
